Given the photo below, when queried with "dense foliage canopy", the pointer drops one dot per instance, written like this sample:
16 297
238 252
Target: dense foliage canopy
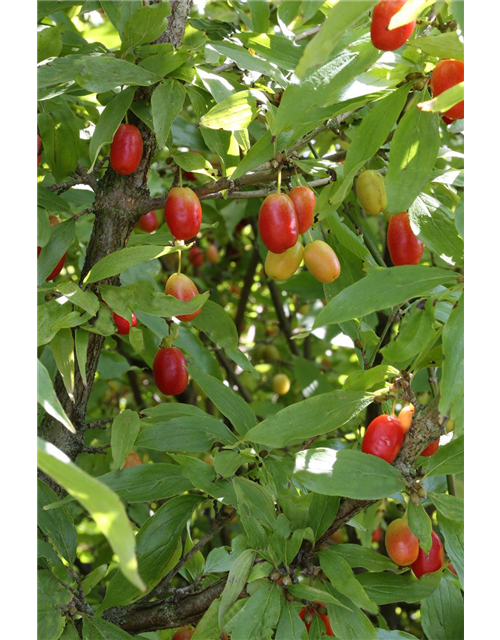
207 373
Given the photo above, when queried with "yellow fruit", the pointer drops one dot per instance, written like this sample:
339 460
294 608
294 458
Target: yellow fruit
281 266
281 384
212 253
322 261
370 189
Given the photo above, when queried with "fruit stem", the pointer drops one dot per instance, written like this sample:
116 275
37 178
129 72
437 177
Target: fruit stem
278 186
180 177
180 262
310 236
126 118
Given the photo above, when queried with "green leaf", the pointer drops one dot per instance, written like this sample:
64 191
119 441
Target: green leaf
322 512
457 7
340 18
46 397
409 12
420 524
260 152
59 131
98 629
459 218
63 350
382 289
385 588
156 543
191 434
56 524
434 224
450 507
310 378
117 262
42 227
49 42
246 60
220 328
290 624
445 100
313 594
447 459
166 104
256 500
236 581
358 556
87 300
124 432
229 403
147 482
60 239
347 621
312 417
453 533
112 365
444 45
369 137
370 379
93 578
108 123
233 113
414 150
414 333
452 379
145 25
259 616
50 201
259 11
102 73
203 476
384 634
51 596
442 613
342 578
103 505
347 473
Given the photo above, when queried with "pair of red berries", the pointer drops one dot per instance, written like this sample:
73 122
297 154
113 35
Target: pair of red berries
403 548
282 218
384 437
307 615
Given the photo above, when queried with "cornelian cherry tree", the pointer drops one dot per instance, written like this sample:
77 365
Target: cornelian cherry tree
250 289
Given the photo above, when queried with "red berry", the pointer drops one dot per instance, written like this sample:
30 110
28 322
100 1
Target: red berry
447 74
122 325
54 221
278 224
383 438
183 213
401 543
184 633
377 535
126 149
148 222
195 256
446 120
304 202
403 244
182 288
432 562
132 460
169 371
382 38
431 449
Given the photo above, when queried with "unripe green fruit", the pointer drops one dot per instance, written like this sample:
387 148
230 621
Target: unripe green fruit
281 266
271 353
370 189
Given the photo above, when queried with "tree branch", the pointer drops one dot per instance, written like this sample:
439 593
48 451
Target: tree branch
247 287
282 319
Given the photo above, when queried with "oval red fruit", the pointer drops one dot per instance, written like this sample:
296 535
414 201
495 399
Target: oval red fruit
383 438
169 371
195 256
404 246
182 288
447 74
307 614
54 221
382 38
377 535
304 201
432 562
278 224
148 222
183 213
431 449
122 325
126 149
401 543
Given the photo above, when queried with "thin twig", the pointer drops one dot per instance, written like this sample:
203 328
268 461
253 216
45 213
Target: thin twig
282 319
